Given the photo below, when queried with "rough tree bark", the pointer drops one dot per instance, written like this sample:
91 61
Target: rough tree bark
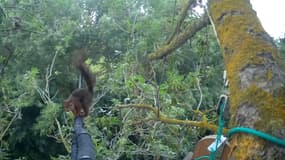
256 76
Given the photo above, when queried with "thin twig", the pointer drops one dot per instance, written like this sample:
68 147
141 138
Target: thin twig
156 93
49 73
201 94
61 136
45 95
120 27
126 115
10 123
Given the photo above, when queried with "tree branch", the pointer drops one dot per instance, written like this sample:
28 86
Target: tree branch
8 126
180 39
181 18
45 95
66 145
164 119
201 94
6 61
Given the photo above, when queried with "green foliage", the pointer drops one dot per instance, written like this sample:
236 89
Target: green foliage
60 157
46 121
22 89
37 74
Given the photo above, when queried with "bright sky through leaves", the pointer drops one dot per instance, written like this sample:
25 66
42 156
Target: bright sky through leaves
270 13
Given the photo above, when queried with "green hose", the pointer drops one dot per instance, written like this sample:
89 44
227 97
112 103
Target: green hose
202 157
232 131
265 136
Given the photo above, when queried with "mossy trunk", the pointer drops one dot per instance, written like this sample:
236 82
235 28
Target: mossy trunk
256 77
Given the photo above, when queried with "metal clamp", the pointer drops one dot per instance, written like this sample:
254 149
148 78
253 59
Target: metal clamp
223 102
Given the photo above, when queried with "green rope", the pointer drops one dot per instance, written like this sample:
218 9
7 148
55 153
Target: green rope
219 134
263 135
220 129
232 131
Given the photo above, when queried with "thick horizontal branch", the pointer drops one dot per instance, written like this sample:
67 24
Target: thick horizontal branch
180 39
164 119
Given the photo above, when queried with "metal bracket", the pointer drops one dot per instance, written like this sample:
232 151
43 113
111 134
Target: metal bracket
223 101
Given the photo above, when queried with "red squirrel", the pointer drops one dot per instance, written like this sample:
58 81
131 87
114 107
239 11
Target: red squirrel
80 99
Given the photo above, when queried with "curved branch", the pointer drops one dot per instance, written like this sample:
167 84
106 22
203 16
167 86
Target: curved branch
181 18
180 39
164 119
201 94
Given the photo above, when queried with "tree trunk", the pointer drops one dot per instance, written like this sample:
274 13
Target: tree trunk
256 77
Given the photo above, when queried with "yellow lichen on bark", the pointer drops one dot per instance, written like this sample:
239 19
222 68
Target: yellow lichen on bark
269 105
251 62
165 119
237 40
245 147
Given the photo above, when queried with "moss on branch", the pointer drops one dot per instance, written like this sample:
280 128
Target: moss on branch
182 15
164 119
255 74
180 39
